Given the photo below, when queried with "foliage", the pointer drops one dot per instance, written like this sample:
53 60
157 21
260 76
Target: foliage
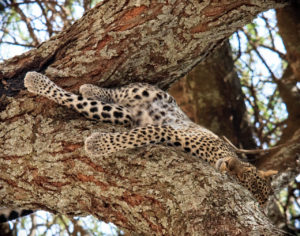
25 24
253 47
46 224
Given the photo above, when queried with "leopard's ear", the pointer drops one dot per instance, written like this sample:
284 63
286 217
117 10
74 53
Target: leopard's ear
269 174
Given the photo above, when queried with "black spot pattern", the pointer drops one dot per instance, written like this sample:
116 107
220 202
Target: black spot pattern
94 109
105 115
2 218
156 117
145 93
107 108
79 106
128 117
118 114
26 212
97 117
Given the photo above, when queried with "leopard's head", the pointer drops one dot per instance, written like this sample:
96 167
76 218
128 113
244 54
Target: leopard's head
258 182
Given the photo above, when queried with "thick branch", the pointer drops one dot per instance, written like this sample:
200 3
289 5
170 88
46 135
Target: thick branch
156 189
119 42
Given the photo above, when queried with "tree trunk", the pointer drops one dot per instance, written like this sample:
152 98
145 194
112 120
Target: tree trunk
153 190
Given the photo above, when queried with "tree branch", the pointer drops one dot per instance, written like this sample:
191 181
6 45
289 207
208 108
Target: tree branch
111 35
154 190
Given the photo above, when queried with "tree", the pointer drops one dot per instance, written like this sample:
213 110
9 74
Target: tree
156 189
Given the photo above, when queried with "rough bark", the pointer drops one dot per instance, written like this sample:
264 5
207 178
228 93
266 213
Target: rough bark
118 42
156 190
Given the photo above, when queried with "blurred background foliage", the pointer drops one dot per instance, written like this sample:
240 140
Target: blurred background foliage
242 95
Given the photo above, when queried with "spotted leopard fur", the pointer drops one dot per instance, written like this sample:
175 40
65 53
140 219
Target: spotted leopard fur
155 118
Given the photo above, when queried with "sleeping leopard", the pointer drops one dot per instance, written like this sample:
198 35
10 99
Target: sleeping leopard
154 118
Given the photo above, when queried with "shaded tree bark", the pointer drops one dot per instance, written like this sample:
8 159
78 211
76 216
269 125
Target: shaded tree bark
154 190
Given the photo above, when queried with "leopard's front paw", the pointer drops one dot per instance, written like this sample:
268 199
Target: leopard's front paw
37 83
99 144
87 90
225 164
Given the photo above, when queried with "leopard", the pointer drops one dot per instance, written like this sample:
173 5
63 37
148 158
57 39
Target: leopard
152 117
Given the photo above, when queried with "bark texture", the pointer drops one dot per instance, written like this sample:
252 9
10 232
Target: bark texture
119 42
155 190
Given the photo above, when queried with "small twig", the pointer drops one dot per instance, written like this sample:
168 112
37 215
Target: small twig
239 53
79 229
26 20
64 223
254 47
280 54
86 4
270 29
33 225
254 151
48 23
19 44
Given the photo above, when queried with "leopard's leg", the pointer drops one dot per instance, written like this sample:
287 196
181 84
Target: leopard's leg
209 148
103 143
131 95
98 93
93 109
